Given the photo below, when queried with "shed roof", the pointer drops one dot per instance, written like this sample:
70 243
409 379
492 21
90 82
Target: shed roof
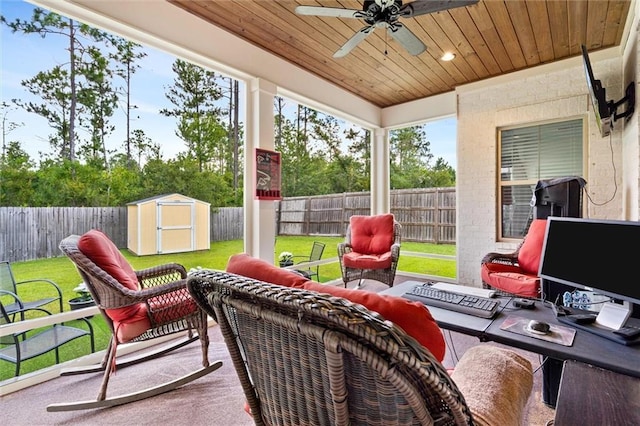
159 197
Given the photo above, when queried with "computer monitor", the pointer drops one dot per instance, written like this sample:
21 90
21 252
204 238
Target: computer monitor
593 254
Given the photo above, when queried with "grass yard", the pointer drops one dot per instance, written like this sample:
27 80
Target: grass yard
62 271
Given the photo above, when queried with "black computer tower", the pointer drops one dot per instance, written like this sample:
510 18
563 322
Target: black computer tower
558 197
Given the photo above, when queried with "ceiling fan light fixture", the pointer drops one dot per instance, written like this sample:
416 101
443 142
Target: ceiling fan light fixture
448 56
385 13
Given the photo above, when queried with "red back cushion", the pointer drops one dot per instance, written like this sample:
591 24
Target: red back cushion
99 248
258 269
413 317
130 321
372 234
531 250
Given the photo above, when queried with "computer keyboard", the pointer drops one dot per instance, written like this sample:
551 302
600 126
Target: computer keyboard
473 305
464 289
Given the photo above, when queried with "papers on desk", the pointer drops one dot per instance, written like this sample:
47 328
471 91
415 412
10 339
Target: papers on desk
557 333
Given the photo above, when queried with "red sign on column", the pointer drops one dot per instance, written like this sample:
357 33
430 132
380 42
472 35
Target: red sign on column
267 175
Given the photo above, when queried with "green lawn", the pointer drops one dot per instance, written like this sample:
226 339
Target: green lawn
63 272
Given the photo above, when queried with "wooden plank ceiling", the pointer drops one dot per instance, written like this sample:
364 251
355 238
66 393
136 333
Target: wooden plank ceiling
490 38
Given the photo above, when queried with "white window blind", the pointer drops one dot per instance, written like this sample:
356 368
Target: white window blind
528 154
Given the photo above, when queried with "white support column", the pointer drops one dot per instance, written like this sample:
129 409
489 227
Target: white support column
380 179
259 215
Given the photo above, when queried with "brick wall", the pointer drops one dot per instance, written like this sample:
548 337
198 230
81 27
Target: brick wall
560 93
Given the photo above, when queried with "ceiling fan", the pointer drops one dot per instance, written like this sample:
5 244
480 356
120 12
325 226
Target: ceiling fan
385 13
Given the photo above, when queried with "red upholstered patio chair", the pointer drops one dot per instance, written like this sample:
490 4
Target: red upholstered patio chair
137 306
517 273
371 249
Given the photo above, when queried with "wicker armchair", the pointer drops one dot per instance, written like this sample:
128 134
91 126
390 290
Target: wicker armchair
137 306
305 358
516 273
371 249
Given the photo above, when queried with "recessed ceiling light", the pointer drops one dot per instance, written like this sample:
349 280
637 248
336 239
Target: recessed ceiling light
448 56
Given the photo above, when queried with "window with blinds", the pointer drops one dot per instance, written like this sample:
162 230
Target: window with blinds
528 154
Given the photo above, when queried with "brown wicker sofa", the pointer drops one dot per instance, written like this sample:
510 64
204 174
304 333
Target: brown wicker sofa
305 357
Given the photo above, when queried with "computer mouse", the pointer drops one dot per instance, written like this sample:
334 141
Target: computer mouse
539 327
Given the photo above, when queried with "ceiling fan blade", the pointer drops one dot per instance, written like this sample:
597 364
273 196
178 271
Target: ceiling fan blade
407 39
328 11
353 41
422 7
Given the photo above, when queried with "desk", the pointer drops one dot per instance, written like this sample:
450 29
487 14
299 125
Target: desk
587 347
592 396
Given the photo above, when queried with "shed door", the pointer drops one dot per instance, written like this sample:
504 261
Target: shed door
176 231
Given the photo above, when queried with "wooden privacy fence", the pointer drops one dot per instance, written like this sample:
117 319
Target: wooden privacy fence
426 215
28 233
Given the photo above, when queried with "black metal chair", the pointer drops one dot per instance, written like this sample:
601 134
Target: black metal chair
19 347
316 254
19 305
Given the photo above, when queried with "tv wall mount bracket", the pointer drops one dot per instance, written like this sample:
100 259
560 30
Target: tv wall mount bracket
629 99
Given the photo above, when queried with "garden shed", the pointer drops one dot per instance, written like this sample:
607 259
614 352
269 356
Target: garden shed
171 223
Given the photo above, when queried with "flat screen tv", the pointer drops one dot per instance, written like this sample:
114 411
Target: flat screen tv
593 254
604 115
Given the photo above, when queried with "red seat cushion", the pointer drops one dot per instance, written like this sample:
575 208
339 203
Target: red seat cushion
371 234
510 279
413 317
367 261
130 321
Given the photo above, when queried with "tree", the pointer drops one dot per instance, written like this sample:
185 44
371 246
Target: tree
140 145
360 149
69 183
58 86
297 165
125 56
441 175
7 126
410 147
233 153
99 99
52 87
411 157
320 154
182 175
124 182
16 176
194 94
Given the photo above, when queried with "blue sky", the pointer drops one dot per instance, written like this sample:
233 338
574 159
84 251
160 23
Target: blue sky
23 56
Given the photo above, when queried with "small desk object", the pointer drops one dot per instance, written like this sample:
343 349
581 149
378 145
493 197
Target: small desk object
592 396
